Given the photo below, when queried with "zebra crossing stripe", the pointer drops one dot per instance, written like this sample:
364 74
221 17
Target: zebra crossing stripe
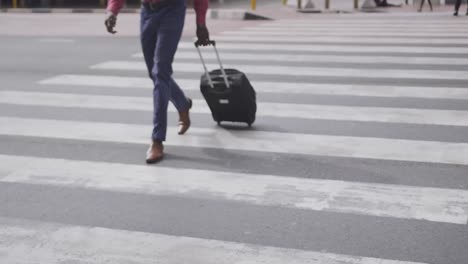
346 33
57 243
297 71
281 110
69 80
367 40
352 26
334 48
306 58
268 142
368 23
363 29
382 200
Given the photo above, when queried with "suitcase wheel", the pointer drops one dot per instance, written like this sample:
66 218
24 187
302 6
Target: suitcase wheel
219 123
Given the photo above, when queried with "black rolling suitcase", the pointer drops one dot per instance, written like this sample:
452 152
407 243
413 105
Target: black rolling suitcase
228 93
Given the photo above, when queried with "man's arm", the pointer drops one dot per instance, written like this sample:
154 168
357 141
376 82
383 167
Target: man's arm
113 8
201 7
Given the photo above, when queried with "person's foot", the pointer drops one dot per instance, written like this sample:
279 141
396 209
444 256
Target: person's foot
467 12
455 13
184 119
155 152
419 10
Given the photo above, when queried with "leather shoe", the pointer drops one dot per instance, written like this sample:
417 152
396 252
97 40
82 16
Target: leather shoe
155 152
184 119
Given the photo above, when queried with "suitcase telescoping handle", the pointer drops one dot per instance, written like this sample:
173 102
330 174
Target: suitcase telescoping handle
210 81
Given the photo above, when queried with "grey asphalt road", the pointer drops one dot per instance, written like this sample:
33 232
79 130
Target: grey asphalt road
27 59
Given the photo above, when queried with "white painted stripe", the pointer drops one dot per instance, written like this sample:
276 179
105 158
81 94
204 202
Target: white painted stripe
361 29
56 243
345 33
297 71
101 81
333 48
292 143
305 111
56 40
392 26
367 40
376 17
352 26
305 58
67 81
381 21
358 26
382 200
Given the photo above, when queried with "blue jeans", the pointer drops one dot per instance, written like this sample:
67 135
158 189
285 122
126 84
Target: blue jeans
161 30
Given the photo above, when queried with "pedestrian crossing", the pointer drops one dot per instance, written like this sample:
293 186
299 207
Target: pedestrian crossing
302 111
300 71
320 39
350 33
313 29
309 194
359 49
138 247
283 57
112 82
307 144
335 47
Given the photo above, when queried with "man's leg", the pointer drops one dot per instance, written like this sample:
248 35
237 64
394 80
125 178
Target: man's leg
148 37
171 29
149 40
149 27
178 97
169 34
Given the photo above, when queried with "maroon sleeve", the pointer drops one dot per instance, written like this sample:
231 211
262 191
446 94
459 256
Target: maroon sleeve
114 6
201 7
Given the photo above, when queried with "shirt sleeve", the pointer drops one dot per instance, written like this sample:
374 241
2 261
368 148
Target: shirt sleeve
114 6
201 7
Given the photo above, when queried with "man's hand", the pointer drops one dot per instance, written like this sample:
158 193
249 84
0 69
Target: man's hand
203 35
110 23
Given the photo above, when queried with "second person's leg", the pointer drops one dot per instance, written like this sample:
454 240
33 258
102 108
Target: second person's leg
457 6
421 6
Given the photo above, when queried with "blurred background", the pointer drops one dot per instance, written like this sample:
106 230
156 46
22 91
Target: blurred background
86 3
